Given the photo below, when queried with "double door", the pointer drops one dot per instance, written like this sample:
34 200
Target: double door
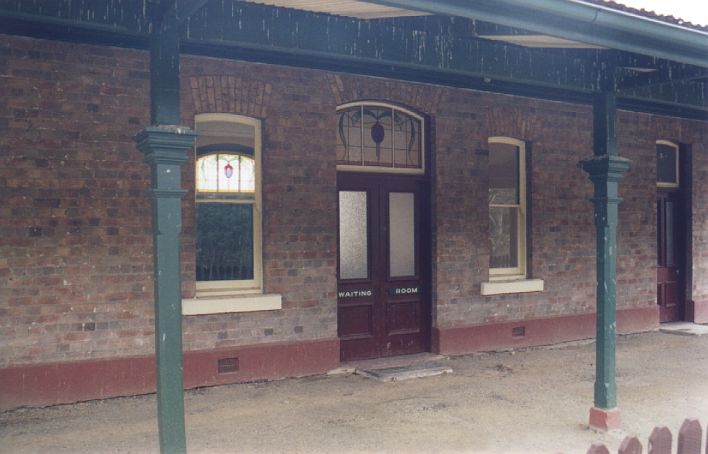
383 303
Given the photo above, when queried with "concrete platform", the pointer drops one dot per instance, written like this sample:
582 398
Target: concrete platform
395 361
421 370
533 401
684 328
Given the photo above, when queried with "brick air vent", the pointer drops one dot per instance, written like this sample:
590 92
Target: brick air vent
518 331
227 365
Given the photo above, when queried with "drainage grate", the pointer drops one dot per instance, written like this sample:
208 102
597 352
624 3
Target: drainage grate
227 365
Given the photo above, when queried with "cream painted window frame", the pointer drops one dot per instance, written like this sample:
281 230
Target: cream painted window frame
678 166
210 289
395 170
518 272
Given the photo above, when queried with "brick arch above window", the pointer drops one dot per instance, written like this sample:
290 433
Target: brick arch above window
230 94
506 122
417 97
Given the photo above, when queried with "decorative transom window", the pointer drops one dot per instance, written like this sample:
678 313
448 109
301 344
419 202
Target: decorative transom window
507 208
667 164
228 199
378 137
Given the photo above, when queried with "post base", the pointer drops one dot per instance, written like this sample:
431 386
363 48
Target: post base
604 418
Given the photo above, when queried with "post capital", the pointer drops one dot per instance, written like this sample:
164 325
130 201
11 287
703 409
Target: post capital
165 144
606 168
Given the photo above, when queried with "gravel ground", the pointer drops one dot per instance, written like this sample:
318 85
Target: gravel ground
528 401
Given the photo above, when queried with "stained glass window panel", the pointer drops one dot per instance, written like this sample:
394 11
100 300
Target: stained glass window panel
226 173
349 136
208 173
378 136
247 174
406 141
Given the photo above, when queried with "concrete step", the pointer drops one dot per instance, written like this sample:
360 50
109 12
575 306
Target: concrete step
400 373
684 328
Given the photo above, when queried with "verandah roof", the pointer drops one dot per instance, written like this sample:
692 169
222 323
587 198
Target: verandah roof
544 48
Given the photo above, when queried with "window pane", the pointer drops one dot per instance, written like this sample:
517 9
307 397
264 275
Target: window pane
353 238
208 173
247 174
378 133
503 226
503 174
670 239
229 173
378 136
222 172
224 241
349 136
401 228
215 132
666 157
407 140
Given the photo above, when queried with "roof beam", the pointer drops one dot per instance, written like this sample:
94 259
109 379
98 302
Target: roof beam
578 21
662 76
176 11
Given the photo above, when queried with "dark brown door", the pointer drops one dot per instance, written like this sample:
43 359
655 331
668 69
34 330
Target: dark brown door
383 303
671 257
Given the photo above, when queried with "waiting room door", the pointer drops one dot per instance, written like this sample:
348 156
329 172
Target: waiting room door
383 282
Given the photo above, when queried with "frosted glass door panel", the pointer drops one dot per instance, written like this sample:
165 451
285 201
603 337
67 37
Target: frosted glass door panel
401 225
353 238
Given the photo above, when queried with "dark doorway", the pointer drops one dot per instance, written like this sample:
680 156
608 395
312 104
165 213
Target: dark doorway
383 295
671 255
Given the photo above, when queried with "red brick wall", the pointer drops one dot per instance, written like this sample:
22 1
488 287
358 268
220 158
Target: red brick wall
75 237
75 234
562 231
299 198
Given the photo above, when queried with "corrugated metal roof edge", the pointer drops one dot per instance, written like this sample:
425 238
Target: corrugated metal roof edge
646 13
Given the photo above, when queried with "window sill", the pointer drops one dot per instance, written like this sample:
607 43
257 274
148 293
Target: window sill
515 286
231 303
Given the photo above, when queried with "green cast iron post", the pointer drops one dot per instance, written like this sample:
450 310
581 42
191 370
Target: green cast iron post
606 169
165 151
164 73
165 145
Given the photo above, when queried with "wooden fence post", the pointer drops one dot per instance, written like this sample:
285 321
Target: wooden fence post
660 441
630 445
689 437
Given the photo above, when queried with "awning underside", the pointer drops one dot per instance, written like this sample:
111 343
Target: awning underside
443 42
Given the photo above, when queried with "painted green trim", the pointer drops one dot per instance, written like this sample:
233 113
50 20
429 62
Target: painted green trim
164 74
605 172
606 169
179 11
604 123
165 150
224 147
662 76
271 36
578 21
